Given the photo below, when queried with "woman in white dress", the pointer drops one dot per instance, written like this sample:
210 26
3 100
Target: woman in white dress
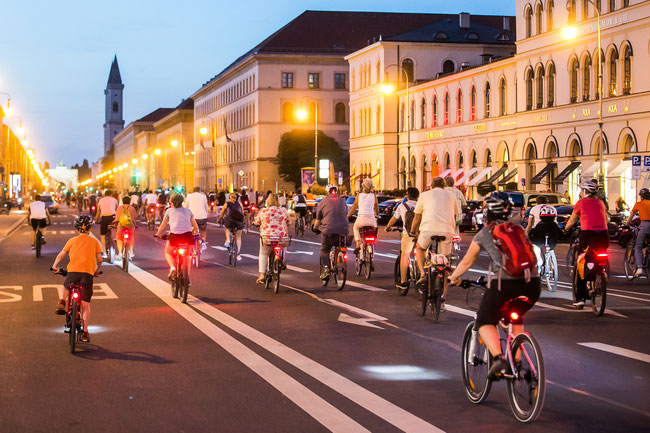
366 203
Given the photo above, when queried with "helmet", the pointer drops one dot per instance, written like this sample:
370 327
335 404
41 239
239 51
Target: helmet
644 193
589 186
547 210
83 223
498 205
332 188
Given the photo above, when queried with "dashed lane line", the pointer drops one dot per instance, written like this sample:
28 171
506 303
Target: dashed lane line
364 286
618 351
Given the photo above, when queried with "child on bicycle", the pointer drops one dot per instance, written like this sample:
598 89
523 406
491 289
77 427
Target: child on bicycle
545 227
85 260
182 227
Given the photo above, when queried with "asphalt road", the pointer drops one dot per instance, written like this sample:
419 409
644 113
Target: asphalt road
309 359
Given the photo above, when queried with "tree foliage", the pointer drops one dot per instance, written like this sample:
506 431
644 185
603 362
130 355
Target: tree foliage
296 150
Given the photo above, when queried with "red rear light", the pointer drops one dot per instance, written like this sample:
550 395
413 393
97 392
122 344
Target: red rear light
456 238
126 235
253 208
514 315
211 203
277 249
602 255
75 295
345 257
182 251
157 204
369 240
151 210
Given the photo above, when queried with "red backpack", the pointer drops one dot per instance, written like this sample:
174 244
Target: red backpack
517 253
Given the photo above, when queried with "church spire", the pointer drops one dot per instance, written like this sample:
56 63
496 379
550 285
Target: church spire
114 76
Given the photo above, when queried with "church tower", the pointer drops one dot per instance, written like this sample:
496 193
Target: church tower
114 122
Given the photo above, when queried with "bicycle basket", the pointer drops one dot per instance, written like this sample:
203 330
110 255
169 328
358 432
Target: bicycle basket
284 241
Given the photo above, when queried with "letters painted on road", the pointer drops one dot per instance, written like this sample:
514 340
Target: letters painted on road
100 291
12 297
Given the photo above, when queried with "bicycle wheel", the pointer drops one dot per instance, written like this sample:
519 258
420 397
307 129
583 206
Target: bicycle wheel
526 390
358 264
185 286
277 268
475 367
426 294
368 262
39 240
598 294
125 258
629 263
269 271
398 277
414 276
340 270
323 278
109 248
74 311
436 297
550 271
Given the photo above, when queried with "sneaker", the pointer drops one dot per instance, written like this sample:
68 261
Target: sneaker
402 286
638 273
421 282
442 304
118 258
356 250
172 274
227 244
239 257
43 240
204 246
104 256
85 337
60 307
498 368
579 305
131 255
33 246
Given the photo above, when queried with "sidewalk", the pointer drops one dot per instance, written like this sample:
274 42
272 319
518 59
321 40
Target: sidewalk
9 223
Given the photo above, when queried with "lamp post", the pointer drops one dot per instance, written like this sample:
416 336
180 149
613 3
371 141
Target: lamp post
388 89
302 115
203 130
571 33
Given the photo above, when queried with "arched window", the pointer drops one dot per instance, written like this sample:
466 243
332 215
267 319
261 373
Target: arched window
287 112
353 126
612 5
423 114
378 127
487 107
573 72
613 57
539 13
571 7
402 115
550 85
549 16
528 78
448 67
412 115
586 78
528 18
446 109
585 10
627 70
339 112
434 111
502 97
115 107
378 72
626 3
472 104
540 88
407 67
459 106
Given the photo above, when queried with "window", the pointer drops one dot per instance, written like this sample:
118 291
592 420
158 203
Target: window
502 97
434 111
573 95
487 101
287 112
314 80
626 3
378 72
598 6
613 57
448 67
549 16
528 18
423 114
586 79
540 88
407 68
412 116
402 115
472 104
585 9
612 5
539 12
459 106
528 78
115 107
378 126
339 81
627 70
446 109
571 7
339 113
287 80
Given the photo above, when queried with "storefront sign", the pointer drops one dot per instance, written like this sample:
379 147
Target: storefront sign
586 112
480 127
612 108
636 167
540 118
434 134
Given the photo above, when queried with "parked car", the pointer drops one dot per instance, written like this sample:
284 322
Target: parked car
467 222
527 199
51 205
387 208
350 201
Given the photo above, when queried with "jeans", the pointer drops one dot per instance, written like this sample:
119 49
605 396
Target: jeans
644 232
327 242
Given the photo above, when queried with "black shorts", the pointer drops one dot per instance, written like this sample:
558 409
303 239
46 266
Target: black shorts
105 224
202 223
302 211
38 223
176 239
84 280
595 240
489 312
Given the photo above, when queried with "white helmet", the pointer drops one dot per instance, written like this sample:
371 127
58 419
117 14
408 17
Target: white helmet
332 188
547 210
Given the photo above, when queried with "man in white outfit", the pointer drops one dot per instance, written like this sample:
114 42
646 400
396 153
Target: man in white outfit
197 203
449 186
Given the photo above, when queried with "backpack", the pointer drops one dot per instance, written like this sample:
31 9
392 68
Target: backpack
125 218
301 199
235 214
518 257
408 218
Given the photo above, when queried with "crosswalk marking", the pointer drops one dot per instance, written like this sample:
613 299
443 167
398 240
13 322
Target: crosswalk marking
618 351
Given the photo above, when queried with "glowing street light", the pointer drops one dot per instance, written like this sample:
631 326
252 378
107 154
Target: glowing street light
157 151
115 170
174 143
301 114
569 33
145 156
388 89
134 161
203 130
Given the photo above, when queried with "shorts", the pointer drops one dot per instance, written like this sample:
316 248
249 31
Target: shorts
202 223
302 211
489 312
105 224
38 223
176 239
406 244
84 280
444 247
595 240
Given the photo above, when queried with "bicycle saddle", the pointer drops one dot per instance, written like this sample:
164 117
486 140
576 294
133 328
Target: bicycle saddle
438 238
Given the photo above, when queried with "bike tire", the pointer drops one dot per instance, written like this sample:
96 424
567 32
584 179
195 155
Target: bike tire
39 240
426 293
323 280
436 297
269 271
277 268
529 380
368 262
598 295
109 249
550 271
629 263
475 374
125 259
185 287
398 277
74 311
340 271
358 265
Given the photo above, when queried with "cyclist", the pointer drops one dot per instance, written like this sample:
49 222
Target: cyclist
405 213
232 216
39 217
162 201
149 201
92 201
593 229
546 227
135 201
197 202
534 214
106 210
366 203
85 261
460 198
274 225
300 206
621 206
497 208
126 217
310 200
213 200
182 227
643 208
435 215
332 221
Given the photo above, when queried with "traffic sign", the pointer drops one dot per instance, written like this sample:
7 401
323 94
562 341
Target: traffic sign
646 163
219 180
636 167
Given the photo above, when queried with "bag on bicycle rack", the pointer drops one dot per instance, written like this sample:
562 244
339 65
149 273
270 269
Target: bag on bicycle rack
518 257
587 266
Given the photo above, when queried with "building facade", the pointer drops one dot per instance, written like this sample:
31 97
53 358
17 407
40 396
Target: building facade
114 118
530 119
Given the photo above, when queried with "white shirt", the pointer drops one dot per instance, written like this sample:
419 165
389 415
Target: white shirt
439 209
134 199
150 198
197 203
400 212
107 206
37 210
460 197
366 204
180 220
283 200
534 212
297 204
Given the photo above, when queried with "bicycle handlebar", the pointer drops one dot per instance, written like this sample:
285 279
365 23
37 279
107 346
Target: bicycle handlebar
64 272
480 282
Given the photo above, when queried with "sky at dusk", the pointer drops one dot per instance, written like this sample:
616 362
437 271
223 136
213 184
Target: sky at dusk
55 56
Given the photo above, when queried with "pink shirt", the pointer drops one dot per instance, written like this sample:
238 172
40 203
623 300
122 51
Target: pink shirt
273 223
592 213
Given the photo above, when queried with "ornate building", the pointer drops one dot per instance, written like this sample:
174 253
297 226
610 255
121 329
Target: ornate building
114 119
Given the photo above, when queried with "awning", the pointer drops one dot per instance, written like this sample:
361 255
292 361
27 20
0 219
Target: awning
509 176
445 173
467 175
619 169
457 173
495 176
539 176
590 170
560 178
479 176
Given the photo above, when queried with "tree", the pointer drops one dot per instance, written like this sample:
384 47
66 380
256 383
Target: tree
296 150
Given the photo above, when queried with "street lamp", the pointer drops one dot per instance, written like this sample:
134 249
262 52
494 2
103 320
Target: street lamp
570 33
8 111
388 89
302 115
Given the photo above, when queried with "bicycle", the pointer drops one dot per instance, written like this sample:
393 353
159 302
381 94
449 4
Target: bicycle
125 236
195 257
38 242
630 260
596 262
548 270
413 270
573 245
526 377
299 225
363 262
437 268
180 279
232 248
151 217
454 258
276 263
109 246
338 258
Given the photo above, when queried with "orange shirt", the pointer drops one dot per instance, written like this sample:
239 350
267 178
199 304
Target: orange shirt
643 207
83 250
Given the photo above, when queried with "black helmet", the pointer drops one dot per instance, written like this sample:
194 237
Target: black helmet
589 186
83 223
498 205
644 193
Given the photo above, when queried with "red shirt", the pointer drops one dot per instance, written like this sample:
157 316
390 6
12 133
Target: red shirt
592 213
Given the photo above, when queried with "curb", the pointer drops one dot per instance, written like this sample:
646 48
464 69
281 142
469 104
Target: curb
12 228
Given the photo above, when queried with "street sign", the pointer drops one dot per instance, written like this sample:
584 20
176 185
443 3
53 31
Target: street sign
636 167
219 180
646 163
523 182
324 168
340 178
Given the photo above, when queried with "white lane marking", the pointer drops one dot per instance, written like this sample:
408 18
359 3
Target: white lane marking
303 397
305 242
628 297
249 256
364 286
463 311
390 256
361 321
391 241
297 269
574 310
308 253
618 351
628 292
219 247
352 309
